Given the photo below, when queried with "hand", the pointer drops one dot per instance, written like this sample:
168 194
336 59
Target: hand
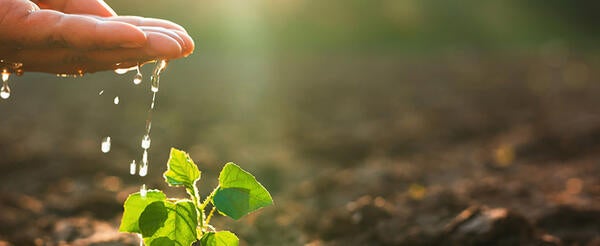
73 36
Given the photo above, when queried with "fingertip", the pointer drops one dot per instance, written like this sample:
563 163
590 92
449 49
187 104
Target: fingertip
162 46
189 43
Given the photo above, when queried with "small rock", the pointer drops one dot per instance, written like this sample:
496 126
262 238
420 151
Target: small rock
480 225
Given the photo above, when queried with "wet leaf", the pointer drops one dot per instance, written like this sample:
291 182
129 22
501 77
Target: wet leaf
181 170
166 223
222 238
239 193
134 206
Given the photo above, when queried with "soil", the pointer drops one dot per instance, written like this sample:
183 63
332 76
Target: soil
464 149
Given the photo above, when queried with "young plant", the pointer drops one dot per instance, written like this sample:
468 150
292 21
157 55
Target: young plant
163 221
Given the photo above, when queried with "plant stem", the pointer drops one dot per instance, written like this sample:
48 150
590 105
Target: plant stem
208 198
195 195
210 215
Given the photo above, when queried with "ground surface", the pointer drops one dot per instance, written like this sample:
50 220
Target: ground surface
460 149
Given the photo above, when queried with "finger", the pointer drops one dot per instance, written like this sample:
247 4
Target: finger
164 31
187 42
69 61
52 28
141 21
92 7
160 45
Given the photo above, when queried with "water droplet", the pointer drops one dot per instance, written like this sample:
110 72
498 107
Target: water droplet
5 91
146 142
153 101
148 126
155 83
116 100
132 167
145 158
100 93
5 75
138 78
105 147
143 170
121 71
143 191
8 68
161 65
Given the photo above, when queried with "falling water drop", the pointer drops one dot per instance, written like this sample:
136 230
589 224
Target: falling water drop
155 84
5 75
105 147
146 142
116 100
155 78
100 93
153 101
132 167
143 191
143 170
148 127
137 79
145 157
5 91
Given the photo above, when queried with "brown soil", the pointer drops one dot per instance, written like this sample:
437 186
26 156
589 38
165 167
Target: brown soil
460 150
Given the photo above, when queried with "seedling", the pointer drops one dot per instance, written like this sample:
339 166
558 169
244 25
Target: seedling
163 221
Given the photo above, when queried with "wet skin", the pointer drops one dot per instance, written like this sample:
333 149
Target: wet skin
73 36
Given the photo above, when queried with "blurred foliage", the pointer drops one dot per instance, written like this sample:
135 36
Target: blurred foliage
406 25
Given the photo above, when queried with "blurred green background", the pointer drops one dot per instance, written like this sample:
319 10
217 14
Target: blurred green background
359 26
295 90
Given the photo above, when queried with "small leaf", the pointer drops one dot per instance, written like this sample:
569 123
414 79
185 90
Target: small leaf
166 223
181 170
222 238
134 206
239 193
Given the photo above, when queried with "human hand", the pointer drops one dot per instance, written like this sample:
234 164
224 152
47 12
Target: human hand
74 36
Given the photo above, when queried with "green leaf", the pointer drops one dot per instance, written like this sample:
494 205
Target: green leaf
239 193
166 223
165 241
134 206
181 170
222 238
